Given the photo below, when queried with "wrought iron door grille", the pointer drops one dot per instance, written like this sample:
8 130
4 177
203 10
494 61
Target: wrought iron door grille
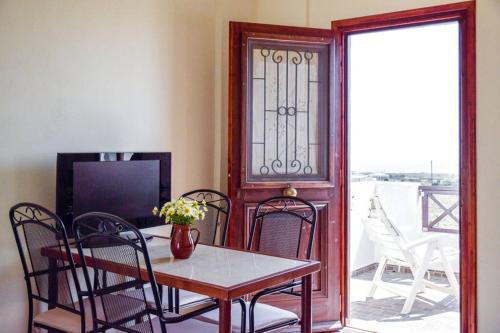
287 108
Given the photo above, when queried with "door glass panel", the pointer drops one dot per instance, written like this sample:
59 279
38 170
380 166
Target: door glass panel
287 112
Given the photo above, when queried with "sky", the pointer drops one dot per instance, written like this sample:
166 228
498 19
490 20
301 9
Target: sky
403 99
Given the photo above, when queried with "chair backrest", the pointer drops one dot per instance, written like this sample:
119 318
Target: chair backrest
387 236
283 226
118 248
37 229
213 229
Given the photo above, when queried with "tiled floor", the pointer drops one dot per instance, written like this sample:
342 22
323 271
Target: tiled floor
433 311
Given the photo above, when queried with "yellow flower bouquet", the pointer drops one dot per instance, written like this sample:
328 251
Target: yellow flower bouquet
182 211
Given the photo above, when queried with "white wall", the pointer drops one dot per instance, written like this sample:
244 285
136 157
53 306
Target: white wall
362 250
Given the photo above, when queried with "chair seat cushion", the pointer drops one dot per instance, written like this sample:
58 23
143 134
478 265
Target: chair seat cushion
265 315
187 326
185 297
70 322
63 320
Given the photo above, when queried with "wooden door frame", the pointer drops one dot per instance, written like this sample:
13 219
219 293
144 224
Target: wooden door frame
324 193
464 13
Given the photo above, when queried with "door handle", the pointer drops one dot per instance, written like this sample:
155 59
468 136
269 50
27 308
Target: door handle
290 191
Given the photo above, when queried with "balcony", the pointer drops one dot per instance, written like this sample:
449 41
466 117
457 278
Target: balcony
417 211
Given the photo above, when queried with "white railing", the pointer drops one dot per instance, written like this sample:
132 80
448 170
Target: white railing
440 210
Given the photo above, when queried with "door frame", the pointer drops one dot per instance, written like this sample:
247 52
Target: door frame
325 193
464 12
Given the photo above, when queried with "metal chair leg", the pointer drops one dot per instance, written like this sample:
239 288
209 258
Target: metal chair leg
243 315
30 315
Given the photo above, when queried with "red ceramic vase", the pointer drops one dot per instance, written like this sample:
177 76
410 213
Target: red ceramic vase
182 244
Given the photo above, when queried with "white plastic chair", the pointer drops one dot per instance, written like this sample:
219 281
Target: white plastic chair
396 250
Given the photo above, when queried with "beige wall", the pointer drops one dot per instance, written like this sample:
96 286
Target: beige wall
152 75
227 10
92 76
488 163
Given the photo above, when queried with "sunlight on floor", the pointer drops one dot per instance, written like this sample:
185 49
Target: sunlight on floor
433 311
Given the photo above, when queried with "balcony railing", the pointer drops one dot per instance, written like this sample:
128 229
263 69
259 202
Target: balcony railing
440 208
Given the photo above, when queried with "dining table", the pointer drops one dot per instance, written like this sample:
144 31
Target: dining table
221 273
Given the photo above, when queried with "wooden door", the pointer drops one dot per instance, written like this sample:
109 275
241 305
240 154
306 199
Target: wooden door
284 132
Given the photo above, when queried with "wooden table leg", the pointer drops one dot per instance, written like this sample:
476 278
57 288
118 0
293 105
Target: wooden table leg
306 304
225 316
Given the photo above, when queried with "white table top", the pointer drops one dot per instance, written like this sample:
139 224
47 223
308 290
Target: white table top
214 271
214 265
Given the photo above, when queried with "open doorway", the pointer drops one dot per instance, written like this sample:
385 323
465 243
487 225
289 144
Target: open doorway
403 106
381 223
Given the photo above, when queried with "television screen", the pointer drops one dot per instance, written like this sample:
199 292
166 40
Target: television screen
128 189
127 184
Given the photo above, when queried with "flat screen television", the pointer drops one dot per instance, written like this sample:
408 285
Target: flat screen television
125 184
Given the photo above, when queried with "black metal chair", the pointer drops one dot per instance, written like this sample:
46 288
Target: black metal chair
112 242
281 226
213 231
48 280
